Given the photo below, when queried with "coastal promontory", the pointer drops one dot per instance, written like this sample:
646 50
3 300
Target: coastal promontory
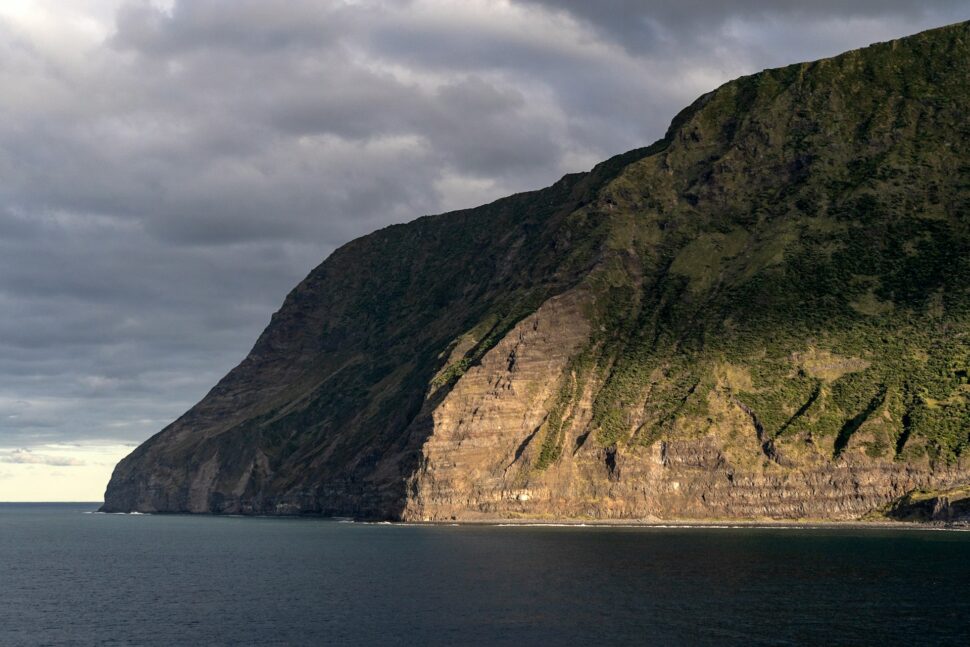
765 314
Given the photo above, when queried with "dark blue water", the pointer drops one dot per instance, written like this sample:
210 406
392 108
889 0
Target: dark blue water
67 577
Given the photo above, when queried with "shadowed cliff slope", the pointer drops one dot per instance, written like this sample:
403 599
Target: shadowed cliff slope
764 314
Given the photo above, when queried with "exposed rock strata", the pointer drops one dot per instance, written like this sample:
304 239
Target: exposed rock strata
478 462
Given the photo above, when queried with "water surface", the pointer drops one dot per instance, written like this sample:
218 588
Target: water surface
71 577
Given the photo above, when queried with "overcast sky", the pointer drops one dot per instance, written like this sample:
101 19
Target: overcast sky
169 170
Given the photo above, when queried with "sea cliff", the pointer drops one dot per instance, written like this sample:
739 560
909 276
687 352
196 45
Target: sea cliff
765 314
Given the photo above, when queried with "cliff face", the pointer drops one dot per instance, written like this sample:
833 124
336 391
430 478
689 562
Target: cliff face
765 314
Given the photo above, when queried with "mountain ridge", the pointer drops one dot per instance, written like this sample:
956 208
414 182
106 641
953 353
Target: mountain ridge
763 314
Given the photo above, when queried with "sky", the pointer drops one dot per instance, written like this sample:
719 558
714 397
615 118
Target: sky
169 170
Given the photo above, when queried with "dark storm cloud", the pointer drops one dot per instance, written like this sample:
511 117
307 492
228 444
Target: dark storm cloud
169 170
647 25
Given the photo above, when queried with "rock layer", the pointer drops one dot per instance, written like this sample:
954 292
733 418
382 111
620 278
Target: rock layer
766 314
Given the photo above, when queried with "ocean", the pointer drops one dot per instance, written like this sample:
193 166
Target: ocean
69 576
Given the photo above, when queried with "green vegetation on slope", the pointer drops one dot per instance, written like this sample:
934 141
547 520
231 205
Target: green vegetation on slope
821 209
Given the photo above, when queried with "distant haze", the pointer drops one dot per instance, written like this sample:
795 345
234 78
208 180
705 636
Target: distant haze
169 170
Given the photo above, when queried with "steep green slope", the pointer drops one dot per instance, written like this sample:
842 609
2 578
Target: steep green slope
779 290
803 215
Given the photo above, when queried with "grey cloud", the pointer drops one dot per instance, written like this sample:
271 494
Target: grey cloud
249 26
646 26
27 457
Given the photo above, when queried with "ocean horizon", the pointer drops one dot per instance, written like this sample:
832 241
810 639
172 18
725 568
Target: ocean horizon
70 576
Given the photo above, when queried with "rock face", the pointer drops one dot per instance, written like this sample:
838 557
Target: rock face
766 314
950 506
